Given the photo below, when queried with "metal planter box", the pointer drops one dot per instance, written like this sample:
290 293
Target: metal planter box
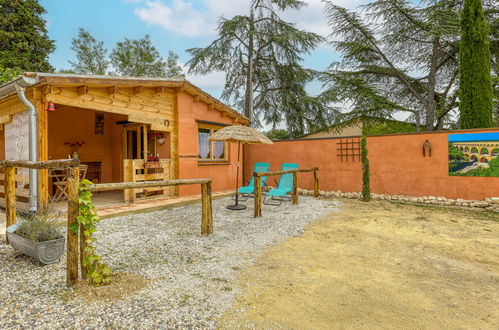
47 252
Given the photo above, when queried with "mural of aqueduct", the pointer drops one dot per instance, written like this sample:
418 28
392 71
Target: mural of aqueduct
479 151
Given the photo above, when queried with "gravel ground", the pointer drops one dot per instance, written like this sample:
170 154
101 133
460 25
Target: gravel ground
190 279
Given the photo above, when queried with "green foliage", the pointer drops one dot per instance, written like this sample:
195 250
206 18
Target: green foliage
172 68
397 57
38 228
492 171
455 153
137 58
261 55
90 54
278 134
24 43
475 88
7 75
380 126
98 272
366 181
494 52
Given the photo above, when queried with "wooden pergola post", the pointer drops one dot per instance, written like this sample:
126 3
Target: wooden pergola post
295 188
206 213
72 239
258 196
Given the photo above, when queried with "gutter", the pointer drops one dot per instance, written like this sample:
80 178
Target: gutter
19 86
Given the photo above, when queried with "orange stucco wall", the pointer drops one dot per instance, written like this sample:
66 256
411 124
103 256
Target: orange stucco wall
75 124
223 175
396 162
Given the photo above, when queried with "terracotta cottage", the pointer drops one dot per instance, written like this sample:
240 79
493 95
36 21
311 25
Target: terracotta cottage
121 129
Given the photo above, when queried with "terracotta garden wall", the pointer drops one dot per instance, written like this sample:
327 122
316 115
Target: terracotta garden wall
398 166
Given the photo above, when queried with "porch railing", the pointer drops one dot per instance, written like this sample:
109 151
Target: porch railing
138 170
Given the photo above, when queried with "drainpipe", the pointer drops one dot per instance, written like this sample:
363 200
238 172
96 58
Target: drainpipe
33 148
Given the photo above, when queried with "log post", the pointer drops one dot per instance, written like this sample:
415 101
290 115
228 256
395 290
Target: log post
206 214
129 176
72 240
10 197
258 196
316 184
295 188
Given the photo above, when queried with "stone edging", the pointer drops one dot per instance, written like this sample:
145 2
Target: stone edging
491 203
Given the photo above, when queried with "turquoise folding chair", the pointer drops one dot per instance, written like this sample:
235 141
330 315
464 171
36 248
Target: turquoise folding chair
284 187
247 191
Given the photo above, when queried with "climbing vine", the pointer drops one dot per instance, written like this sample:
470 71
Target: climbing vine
366 182
98 272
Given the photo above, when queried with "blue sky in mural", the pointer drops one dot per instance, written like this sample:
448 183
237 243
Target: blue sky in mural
473 137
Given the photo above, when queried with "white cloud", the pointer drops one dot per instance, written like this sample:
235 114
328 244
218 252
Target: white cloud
213 82
180 17
198 18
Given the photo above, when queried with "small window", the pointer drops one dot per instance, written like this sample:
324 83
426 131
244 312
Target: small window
210 150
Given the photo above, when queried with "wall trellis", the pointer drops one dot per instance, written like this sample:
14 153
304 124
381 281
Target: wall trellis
349 149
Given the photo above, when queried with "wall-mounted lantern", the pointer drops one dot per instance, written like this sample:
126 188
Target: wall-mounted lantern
50 107
427 148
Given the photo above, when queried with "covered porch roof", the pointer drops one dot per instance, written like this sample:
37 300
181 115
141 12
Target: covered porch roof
114 82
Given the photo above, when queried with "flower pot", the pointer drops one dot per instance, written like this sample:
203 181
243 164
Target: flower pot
47 252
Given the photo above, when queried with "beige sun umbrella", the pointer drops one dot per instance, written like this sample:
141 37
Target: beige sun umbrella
239 134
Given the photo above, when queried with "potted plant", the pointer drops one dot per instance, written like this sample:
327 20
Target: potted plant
37 237
74 148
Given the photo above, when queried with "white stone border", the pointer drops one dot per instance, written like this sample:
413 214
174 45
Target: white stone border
490 203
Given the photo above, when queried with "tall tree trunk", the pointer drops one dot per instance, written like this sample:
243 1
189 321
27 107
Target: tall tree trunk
432 82
248 106
417 118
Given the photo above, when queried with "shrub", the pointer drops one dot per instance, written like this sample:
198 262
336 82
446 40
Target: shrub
38 228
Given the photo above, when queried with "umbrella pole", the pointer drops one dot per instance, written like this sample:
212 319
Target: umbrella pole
237 206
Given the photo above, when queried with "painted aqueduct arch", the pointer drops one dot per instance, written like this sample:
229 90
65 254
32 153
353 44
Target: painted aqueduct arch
479 151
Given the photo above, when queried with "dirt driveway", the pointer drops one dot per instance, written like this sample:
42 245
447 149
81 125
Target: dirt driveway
378 265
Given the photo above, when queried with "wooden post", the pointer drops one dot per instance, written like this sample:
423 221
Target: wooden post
43 177
129 176
316 184
144 139
72 240
206 214
295 188
258 196
10 196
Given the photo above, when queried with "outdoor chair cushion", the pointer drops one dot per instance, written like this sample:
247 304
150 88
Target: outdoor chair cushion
285 184
250 188
246 190
279 192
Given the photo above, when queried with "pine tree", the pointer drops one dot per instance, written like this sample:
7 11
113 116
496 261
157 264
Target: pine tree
90 54
397 58
475 87
261 56
24 43
137 58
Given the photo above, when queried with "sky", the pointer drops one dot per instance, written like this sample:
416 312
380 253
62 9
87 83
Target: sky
469 137
174 25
